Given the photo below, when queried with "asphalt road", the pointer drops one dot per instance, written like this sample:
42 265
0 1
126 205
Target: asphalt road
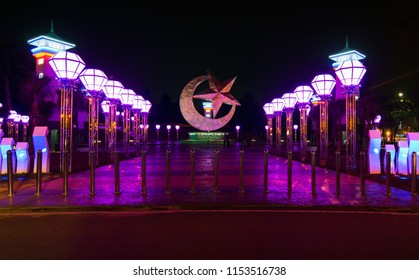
212 235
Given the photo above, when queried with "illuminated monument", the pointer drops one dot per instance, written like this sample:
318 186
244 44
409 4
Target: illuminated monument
217 93
45 47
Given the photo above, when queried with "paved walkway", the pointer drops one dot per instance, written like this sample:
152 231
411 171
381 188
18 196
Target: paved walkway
204 190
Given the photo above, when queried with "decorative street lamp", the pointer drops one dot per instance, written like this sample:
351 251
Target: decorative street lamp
323 85
93 80
67 67
168 131
278 104
237 130
157 131
177 131
137 104
10 120
303 94
145 111
112 90
105 108
25 122
269 112
350 74
127 98
295 132
290 99
16 121
267 133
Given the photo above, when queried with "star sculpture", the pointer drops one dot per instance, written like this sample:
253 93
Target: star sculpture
218 93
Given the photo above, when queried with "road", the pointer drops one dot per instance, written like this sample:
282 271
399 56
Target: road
212 235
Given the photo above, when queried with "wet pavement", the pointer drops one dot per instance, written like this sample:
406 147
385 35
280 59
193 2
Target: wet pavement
187 177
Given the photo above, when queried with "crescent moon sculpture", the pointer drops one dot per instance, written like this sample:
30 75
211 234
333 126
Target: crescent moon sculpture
192 116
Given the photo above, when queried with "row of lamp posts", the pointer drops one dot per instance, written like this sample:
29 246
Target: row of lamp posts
350 74
69 68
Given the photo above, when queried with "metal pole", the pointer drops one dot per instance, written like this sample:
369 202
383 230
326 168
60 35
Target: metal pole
216 164
289 171
414 167
313 172
116 166
362 167
143 175
10 173
337 172
192 171
265 172
241 171
65 168
38 172
168 171
388 164
92 172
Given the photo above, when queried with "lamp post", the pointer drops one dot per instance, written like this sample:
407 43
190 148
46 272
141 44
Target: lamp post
105 108
177 132
350 74
168 131
127 98
145 111
93 80
290 99
112 90
278 104
137 104
67 67
267 133
295 132
269 112
25 122
303 94
10 120
237 130
16 121
323 85
157 130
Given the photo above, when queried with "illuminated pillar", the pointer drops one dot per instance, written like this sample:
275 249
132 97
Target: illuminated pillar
303 94
290 99
16 122
25 122
105 108
136 109
269 112
145 111
278 104
127 98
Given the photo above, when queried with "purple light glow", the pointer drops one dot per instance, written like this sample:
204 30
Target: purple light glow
323 84
351 72
112 89
278 104
66 65
127 96
303 94
290 99
269 108
93 79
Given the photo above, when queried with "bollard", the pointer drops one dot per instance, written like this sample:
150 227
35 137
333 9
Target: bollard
265 172
388 164
216 164
313 172
337 172
9 173
38 172
414 167
143 175
289 171
241 171
116 168
192 171
362 170
168 171
65 167
92 172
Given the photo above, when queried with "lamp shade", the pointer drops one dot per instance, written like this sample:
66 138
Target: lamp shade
303 94
25 119
66 65
145 108
278 104
93 79
137 102
112 89
290 99
17 118
323 84
350 72
269 108
105 106
127 96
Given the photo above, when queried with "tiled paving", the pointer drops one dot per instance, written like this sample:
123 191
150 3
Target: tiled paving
202 189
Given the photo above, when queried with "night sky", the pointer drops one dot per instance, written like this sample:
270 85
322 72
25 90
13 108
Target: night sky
272 50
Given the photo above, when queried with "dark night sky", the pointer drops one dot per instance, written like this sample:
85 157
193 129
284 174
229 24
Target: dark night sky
270 49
